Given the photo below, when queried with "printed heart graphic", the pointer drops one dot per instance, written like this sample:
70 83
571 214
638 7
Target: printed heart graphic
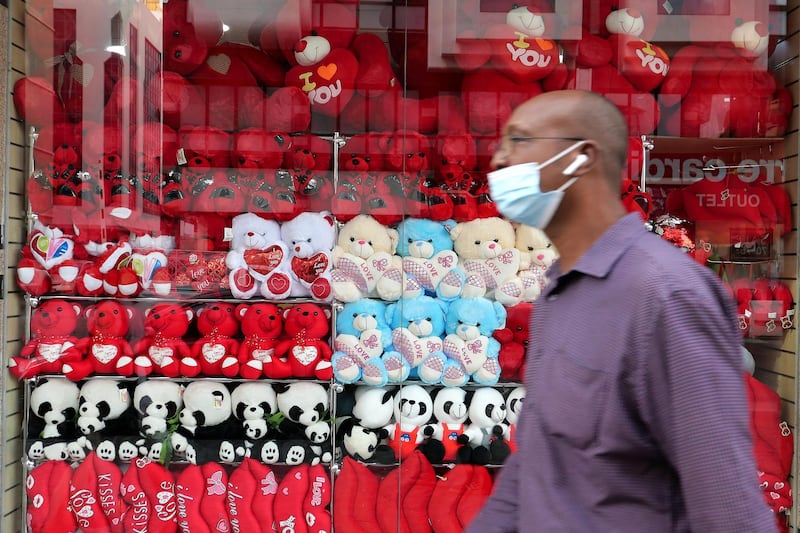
222 525
213 352
779 485
327 72
321 289
430 272
158 353
262 262
495 270
145 266
51 352
644 64
219 63
263 355
305 355
164 497
523 58
278 283
414 349
85 512
329 86
50 252
104 353
310 268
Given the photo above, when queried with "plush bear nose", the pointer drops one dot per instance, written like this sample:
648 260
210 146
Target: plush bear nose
296 248
305 313
419 244
362 242
491 246
540 257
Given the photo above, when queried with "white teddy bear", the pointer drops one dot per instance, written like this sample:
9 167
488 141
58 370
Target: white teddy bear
310 238
258 259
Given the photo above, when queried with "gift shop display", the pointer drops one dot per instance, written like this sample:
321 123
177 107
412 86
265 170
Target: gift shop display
268 288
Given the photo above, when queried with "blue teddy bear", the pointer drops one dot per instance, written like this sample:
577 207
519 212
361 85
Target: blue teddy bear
430 266
362 336
417 328
469 350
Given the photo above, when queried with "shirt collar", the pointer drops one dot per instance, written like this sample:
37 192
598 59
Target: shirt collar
605 252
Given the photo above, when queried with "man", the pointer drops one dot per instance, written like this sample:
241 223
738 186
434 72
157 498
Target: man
635 417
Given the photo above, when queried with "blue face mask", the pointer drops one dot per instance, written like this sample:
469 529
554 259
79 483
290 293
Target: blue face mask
518 194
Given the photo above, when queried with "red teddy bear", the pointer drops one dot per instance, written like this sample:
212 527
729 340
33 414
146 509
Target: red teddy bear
106 348
215 353
262 324
52 344
514 341
306 354
163 347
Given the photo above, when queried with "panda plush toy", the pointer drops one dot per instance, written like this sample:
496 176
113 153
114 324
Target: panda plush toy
206 414
362 435
289 452
253 402
54 403
483 435
220 451
158 402
304 406
450 412
105 404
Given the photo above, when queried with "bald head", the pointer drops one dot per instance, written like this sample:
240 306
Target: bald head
577 113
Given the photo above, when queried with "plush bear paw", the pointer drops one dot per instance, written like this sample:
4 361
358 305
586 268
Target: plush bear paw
510 292
474 287
276 287
169 367
345 289
451 286
189 367
488 373
390 285
323 370
432 368
345 368
142 366
230 367
321 289
397 368
242 284
454 375
125 366
374 373
251 370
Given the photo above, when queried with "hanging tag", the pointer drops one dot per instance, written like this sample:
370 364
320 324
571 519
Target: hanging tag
181 156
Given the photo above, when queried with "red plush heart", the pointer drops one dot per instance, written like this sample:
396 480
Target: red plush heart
329 84
264 261
308 269
643 64
521 57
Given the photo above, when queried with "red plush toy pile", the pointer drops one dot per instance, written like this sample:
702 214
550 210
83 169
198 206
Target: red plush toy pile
98 496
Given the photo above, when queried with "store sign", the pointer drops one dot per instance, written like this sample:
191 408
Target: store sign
682 171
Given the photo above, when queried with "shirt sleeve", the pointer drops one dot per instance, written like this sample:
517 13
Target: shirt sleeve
499 512
694 401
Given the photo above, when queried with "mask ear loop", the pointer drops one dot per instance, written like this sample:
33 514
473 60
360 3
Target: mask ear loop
562 153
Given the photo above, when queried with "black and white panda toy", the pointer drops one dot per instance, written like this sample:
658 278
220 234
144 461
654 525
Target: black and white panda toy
305 405
105 404
362 435
207 414
483 434
54 402
253 403
157 401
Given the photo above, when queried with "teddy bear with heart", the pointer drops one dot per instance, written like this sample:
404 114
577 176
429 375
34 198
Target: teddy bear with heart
216 352
488 256
47 262
310 237
363 334
262 327
417 328
364 253
163 346
258 259
430 266
469 352
106 347
537 254
306 352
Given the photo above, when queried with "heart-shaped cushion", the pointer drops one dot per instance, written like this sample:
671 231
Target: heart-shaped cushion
329 83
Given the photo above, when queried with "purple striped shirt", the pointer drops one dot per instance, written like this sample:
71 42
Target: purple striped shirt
635 417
